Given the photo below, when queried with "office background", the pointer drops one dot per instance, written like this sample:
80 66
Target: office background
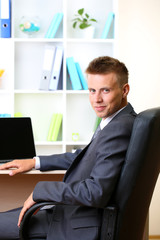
139 48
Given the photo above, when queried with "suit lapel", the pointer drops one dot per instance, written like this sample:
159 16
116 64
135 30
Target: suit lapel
76 161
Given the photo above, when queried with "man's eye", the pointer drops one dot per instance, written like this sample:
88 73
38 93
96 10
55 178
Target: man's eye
106 90
92 90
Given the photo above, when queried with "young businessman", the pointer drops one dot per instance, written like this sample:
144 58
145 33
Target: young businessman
91 174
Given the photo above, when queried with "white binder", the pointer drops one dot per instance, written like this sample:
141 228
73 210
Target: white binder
55 76
48 61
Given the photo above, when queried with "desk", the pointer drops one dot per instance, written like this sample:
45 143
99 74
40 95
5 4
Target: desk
15 190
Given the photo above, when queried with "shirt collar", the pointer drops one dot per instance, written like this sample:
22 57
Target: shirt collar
104 122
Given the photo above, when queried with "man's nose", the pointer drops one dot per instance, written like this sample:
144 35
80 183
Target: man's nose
98 97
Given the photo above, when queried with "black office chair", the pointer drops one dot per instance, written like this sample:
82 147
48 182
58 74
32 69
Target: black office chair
125 216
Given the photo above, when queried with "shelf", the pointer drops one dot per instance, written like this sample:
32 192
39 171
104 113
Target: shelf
95 40
27 91
77 92
47 143
5 91
37 40
76 143
19 87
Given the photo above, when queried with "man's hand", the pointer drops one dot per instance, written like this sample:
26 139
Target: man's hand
19 166
27 204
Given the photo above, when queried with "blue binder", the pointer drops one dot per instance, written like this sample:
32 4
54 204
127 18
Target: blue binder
76 84
81 76
5 18
54 25
107 25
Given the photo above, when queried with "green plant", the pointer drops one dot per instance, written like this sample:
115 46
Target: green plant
83 19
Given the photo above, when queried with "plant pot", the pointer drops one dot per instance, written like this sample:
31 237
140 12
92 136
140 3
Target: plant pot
86 33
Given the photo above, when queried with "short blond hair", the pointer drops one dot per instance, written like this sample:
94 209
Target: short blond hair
106 64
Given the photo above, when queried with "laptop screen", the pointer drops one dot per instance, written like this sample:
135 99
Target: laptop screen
16 139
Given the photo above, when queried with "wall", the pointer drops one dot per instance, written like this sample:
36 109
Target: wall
139 49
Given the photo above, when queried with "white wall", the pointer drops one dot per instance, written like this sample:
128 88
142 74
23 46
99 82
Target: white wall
139 49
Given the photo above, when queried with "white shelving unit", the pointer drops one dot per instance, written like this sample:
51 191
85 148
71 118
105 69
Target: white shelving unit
22 57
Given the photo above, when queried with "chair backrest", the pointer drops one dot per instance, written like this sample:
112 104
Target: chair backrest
135 187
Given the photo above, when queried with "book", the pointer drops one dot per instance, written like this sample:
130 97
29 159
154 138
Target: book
56 69
81 76
72 71
48 61
5 18
57 126
107 25
55 23
52 125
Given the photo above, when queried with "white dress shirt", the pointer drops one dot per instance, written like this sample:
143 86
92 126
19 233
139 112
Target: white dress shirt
104 122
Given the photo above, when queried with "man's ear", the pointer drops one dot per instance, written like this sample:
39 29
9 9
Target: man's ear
126 89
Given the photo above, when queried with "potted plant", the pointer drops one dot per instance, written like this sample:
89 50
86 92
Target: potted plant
83 22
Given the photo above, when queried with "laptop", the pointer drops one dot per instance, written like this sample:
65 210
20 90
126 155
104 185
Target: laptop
16 139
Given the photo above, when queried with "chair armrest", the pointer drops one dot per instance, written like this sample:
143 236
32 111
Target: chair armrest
109 220
25 221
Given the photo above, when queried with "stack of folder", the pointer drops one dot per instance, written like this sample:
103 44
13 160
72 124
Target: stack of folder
55 126
52 67
76 76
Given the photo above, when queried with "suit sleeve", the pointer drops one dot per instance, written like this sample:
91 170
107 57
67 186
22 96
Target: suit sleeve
97 188
58 161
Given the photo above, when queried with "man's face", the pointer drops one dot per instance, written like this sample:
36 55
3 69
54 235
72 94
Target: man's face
105 94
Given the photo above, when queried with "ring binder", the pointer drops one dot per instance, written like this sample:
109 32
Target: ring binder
49 55
5 18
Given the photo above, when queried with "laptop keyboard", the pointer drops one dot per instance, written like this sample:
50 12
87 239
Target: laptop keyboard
5 161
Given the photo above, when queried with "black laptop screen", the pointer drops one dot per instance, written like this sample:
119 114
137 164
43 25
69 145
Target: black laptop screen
16 138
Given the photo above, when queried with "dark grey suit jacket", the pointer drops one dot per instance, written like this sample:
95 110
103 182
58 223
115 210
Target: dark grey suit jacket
89 181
